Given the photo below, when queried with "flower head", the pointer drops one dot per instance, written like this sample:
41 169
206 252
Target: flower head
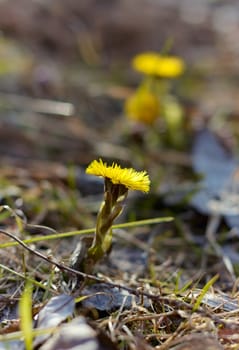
170 67
151 63
143 106
128 177
146 62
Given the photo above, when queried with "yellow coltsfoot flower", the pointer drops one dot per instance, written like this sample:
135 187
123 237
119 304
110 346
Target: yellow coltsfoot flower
117 183
128 177
146 62
170 67
152 63
143 106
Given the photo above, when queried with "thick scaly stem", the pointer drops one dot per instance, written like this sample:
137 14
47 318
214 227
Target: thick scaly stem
115 194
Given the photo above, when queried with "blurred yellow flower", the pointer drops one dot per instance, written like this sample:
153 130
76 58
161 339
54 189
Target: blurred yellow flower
146 62
170 67
128 177
151 63
143 106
